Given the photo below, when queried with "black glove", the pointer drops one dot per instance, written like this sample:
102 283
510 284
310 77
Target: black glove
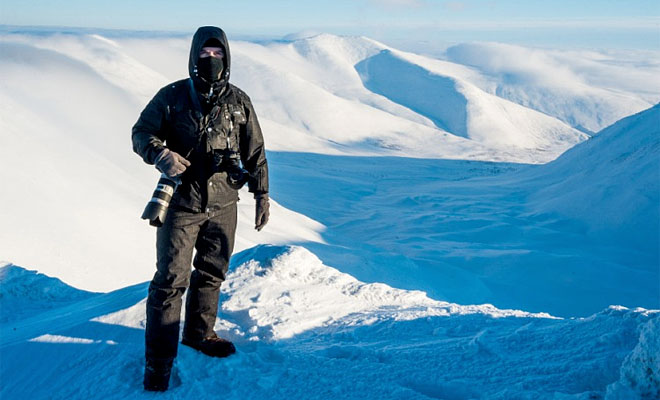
261 210
171 163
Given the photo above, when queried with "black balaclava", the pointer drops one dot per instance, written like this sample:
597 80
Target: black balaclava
204 71
210 69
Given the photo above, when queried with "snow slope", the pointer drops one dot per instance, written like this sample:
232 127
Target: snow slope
305 330
462 108
74 190
24 293
609 184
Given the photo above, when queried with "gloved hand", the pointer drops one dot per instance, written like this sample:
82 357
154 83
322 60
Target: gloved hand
262 210
171 163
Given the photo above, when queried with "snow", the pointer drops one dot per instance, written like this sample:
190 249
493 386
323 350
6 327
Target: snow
466 110
618 169
305 330
516 236
576 87
24 293
412 252
317 295
66 339
640 371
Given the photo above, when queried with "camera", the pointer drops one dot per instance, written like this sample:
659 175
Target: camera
230 162
225 160
156 208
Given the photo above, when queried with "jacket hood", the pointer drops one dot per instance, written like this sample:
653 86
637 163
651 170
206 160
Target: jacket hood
201 36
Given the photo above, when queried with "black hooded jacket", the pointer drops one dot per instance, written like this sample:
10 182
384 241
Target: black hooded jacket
190 119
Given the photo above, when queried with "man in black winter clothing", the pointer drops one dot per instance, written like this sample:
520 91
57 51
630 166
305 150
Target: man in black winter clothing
192 130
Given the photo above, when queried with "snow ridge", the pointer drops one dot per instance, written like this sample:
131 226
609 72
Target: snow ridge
317 295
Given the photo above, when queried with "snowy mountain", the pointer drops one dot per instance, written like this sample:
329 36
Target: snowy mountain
409 237
355 90
576 87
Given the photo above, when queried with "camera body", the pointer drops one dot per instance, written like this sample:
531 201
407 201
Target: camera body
229 161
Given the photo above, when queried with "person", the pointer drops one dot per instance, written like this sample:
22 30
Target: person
195 130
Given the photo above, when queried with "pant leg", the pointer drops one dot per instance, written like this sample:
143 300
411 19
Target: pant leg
215 244
174 246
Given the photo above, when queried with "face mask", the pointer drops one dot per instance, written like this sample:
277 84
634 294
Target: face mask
210 68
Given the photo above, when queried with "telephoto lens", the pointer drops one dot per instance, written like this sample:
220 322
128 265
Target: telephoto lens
156 209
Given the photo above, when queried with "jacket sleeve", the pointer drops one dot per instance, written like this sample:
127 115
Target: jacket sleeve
149 133
253 151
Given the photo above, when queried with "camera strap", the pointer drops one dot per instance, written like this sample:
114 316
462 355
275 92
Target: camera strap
193 96
206 122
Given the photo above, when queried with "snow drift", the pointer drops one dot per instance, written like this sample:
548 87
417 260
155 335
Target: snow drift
640 376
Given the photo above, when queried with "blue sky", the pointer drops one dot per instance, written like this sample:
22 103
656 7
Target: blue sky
598 23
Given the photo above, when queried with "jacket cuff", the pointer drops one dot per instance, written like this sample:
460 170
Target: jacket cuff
258 181
153 153
161 155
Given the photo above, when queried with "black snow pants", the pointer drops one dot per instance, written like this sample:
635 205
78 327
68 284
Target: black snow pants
211 234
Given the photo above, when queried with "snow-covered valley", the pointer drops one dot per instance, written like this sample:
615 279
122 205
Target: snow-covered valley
430 236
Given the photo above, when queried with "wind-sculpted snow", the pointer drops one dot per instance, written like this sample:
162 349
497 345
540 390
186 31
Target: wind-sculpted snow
640 371
318 295
25 293
305 330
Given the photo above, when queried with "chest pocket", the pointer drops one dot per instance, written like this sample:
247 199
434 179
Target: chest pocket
218 130
227 130
183 124
237 115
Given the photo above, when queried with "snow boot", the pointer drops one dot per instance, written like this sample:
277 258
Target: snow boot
157 375
213 346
